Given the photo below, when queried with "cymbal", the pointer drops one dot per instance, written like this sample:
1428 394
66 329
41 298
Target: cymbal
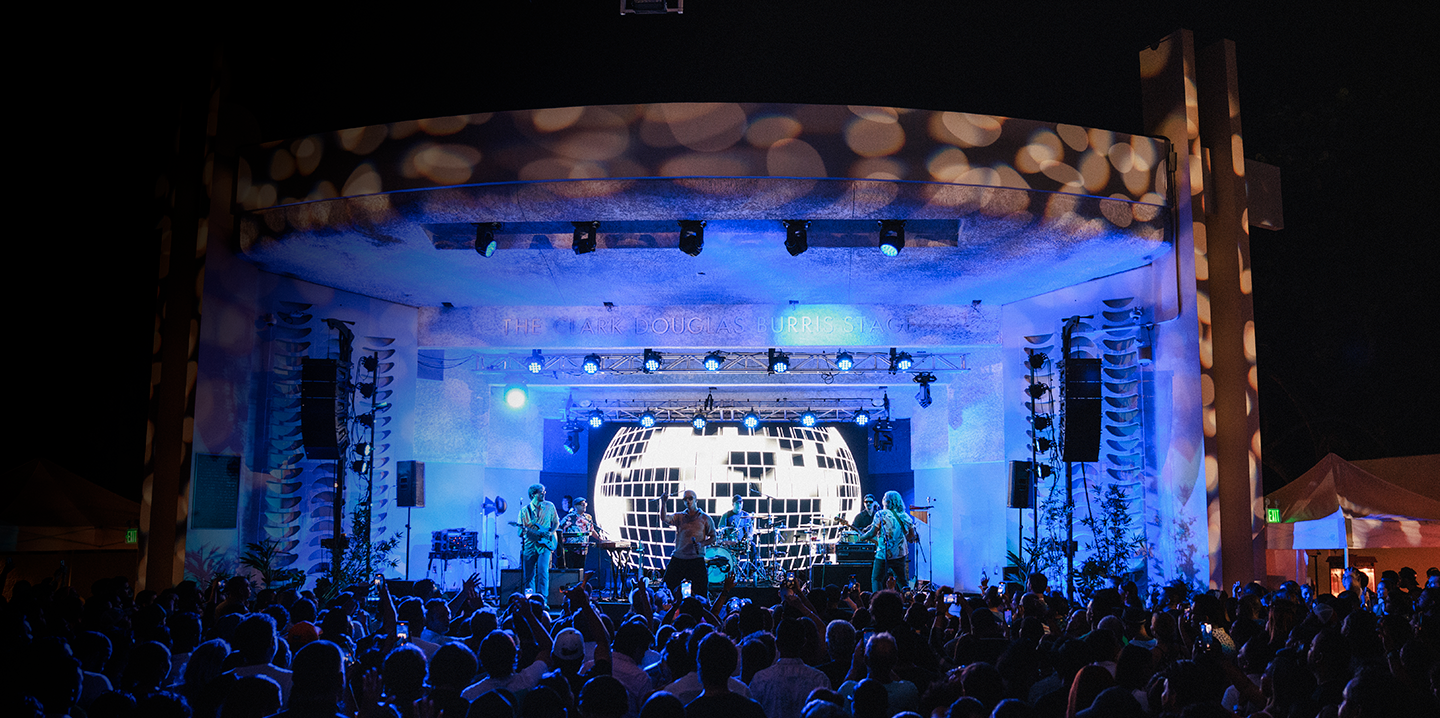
921 508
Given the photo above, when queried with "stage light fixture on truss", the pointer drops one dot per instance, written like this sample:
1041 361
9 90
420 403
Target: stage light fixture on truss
713 361
698 422
692 236
647 420
572 436
369 362
892 236
584 239
779 362
797 236
536 363
1041 422
844 361
1042 444
591 364
360 466
809 419
884 435
862 418
1035 360
597 419
1037 390
485 243
924 379
751 420
651 362
900 361
366 390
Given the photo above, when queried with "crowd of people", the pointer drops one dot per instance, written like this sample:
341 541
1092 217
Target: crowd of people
819 652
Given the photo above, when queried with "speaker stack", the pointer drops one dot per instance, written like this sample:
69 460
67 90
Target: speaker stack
1081 417
324 408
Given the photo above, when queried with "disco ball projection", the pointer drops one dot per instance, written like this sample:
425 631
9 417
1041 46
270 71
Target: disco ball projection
794 478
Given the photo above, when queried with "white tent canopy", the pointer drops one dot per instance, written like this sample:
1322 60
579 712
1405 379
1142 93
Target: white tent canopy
1381 503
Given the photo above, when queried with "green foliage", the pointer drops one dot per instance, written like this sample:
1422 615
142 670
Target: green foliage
262 557
1113 545
362 557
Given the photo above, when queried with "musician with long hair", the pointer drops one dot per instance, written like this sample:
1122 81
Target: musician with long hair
892 530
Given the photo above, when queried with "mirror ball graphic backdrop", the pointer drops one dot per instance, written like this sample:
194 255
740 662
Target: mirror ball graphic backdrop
796 475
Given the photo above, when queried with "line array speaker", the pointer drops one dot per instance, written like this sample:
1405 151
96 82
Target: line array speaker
1081 418
410 484
324 408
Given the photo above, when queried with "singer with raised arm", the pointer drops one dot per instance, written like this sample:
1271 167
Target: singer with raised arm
694 530
893 530
538 522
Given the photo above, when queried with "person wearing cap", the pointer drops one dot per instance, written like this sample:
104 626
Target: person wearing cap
576 530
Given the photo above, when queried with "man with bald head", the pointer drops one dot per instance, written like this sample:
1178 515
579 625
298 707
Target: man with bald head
694 530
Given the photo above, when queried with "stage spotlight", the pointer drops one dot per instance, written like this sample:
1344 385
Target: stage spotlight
751 420
366 420
713 361
651 361
366 390
591 363
369 362
1042 471
1036 360
884 435
797 236
924 379
698 423
361 467
900 361
1037 390
808 419
485 242
692 236
1041 422
597 419
892 236
844 361
362 449
515 396
779 362
572 436
1042 444
585 232
862 418
536 363
647 420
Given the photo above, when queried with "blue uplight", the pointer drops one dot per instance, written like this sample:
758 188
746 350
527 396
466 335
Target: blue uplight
808 419
647 420
751 420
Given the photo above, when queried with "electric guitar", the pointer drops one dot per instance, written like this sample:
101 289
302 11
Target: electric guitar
529 537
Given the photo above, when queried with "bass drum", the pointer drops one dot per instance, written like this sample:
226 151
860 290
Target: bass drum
719 563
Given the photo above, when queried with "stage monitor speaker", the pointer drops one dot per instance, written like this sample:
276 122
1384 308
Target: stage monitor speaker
824 574
1021 488
324 408
560 580
410 484
1081 419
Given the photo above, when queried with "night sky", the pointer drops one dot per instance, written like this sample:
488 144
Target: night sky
1345 314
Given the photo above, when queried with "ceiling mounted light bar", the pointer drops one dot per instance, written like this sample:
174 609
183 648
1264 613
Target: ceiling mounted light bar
724 361
744 412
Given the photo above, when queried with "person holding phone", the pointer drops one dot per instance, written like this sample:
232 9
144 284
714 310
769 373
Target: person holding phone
694 530
890 529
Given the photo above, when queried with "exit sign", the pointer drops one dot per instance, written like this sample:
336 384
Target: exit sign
132 535
1272 515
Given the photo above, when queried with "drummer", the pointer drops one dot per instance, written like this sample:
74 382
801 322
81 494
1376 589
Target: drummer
576 529
738 519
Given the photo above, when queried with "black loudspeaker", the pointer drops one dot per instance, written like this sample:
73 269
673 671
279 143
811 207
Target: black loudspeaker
1021 486
324 408
560 580
824 574
410 484
1081 419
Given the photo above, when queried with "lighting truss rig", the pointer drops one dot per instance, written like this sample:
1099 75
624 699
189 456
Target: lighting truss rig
825 411
862 363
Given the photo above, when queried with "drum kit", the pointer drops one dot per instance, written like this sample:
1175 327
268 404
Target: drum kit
753 556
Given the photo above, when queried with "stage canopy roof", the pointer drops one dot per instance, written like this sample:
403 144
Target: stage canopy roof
1378 503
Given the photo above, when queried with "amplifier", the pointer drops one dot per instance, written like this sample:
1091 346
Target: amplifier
855 553
823 574
454 541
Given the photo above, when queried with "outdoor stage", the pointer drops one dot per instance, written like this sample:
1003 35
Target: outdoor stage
1020 243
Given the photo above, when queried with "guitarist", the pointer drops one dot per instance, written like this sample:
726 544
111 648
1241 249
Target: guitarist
892 529
538 522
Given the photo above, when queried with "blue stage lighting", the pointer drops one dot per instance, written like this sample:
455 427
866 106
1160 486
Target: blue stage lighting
900 361
591 363
862 418
536 363
485 242
892 236
797 238
844 361
515 396
751 420
597 419
713 361
692 236
779 362
651 361
808 419
647 420
698 422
